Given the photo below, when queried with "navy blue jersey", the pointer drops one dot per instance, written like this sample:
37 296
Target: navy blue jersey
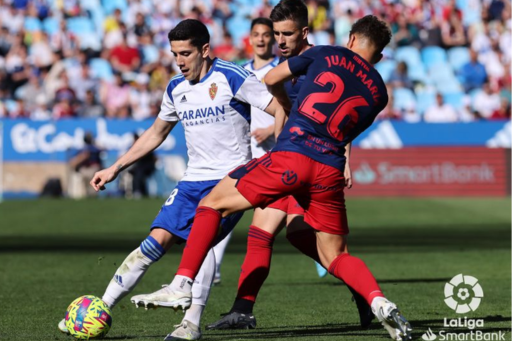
340 97
292 87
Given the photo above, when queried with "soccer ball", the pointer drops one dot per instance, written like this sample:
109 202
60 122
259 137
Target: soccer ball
88 317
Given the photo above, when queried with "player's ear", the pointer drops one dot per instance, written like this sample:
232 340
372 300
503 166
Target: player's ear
351 41
305 32
205 50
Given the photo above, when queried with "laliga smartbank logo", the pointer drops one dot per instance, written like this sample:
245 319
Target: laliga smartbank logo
463 294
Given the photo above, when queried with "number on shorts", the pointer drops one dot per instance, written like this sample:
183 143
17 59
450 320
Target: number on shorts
170 200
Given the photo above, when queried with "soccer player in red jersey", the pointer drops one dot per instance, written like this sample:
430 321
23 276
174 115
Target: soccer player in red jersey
290 28
341 96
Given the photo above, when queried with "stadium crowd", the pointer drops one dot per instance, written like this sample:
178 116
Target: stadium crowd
449 60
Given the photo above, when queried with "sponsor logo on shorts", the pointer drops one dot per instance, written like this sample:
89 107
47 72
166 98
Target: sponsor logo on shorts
289 177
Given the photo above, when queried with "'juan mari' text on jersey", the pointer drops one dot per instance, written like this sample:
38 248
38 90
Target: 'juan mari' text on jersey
340 97
259 118
216 116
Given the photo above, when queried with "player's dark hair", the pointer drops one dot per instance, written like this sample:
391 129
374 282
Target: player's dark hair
262 21
294 10
374 29
193 30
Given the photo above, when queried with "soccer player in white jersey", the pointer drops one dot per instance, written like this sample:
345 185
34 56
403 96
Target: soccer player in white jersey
262 40
212 99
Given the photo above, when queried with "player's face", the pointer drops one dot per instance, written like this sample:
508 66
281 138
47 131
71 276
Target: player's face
189 58
290 38
261 40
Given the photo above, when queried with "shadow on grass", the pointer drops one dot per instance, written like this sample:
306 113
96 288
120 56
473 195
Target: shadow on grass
396 240
420 326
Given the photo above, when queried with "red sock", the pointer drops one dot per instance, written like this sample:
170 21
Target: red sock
256 264
356 274
203 233
305 242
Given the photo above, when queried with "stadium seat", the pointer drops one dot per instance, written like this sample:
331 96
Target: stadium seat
409 54
454 99
150 54
458 56
385 68
80 25
90 40
425 98
101 68
403 98
433 55
238 28
32 24
449 86
110 5
418 74
441 72
50 25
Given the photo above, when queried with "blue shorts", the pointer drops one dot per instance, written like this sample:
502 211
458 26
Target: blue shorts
178 211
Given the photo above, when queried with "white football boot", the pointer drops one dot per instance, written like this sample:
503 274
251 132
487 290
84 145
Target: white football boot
165 298
186 330
393 321
62 327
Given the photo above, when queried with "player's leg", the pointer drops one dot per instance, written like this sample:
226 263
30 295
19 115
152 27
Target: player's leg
134 267
189 328
266 224
327 215
302 236
219 250
256 184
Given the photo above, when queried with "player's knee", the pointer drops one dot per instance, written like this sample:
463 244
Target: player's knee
163 237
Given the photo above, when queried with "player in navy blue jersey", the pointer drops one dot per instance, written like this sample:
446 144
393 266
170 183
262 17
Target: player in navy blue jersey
290 27
341 96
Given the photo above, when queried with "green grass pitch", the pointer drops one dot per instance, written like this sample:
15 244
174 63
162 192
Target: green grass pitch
52 251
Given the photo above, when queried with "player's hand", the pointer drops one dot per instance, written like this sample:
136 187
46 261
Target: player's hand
348 176
103 177
262 134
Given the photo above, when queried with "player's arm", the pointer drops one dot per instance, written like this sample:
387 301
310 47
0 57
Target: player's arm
275 79
148 141
347 173
262 134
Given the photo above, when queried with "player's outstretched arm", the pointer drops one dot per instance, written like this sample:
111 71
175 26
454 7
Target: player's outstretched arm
150 140
276 109
275 79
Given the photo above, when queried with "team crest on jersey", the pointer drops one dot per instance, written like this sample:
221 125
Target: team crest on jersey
213 90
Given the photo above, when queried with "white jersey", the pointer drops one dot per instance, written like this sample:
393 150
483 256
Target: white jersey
261 119
216 115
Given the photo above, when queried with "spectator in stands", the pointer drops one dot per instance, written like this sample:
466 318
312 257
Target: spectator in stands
141 171
63 42
140 28
473 73
140 98
486 102
399 77
124 58
17 67
84 164
40 111
440 112
5 41
404 32
227 50
410 114
90 108
83 82
452 31
115 96
41 52
503 112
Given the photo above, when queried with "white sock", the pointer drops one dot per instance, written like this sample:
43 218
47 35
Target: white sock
219 250
201 289
126 277
378 302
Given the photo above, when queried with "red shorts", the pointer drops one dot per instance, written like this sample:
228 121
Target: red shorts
287 204
317 188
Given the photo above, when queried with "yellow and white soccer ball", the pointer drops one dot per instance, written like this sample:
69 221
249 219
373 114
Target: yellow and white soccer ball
88 317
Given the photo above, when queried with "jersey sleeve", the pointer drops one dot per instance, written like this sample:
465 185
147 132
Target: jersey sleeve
254 92
299 64
167 110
